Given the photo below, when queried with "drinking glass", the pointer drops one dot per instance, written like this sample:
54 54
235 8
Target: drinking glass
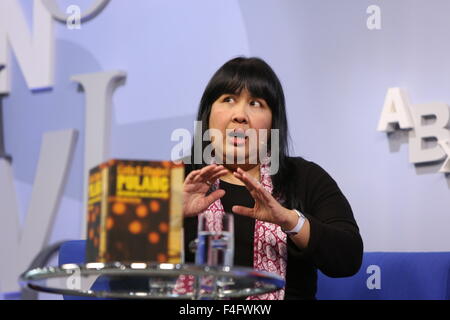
215 248
215 242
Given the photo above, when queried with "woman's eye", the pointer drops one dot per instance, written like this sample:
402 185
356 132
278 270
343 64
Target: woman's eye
255 103
228 99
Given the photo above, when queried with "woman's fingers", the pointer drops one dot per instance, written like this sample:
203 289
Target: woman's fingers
250 182
201 172
252 185
213 196
265 195
243 211
191 176
218 175
207 172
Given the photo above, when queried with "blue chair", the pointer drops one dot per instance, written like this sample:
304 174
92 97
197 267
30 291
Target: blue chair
383 276
74 252
392 276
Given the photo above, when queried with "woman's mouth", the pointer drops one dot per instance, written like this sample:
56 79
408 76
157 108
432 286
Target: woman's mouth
237 137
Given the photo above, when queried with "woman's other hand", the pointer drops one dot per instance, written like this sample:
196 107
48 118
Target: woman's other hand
266 207
197 184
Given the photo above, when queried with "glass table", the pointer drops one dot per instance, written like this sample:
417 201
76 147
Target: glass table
151 281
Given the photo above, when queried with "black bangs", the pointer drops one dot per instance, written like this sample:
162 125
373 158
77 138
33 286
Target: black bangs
251 74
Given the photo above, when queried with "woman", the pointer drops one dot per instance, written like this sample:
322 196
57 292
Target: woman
291 222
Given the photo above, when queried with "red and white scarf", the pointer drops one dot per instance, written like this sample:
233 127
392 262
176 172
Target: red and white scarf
270 248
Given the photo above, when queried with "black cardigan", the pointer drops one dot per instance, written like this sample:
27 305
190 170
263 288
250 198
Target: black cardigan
335 246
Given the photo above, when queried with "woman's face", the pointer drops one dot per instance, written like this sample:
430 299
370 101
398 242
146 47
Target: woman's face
232 115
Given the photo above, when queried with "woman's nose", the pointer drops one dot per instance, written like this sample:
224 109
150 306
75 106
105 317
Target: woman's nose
240 114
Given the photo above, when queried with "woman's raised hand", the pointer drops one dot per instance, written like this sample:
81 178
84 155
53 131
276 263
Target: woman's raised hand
197 184
266 207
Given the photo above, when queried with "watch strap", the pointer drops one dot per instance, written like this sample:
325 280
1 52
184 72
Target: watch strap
298 226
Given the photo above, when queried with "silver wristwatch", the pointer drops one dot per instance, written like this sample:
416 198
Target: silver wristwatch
299 225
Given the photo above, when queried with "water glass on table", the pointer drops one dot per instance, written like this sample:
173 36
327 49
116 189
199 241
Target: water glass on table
215 248
215 241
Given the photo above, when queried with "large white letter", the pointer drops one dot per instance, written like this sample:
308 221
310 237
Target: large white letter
34 53
419 152
18 248
99 88
395 110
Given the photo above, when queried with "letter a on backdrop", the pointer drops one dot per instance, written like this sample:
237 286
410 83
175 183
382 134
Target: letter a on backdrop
395 111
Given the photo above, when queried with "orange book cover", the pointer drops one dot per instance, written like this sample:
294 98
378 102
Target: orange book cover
135 212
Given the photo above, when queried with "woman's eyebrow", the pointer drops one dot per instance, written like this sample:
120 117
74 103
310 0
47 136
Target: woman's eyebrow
258 98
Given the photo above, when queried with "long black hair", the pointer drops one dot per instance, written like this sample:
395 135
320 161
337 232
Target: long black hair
258 78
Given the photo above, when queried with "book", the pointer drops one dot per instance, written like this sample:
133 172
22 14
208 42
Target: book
135 212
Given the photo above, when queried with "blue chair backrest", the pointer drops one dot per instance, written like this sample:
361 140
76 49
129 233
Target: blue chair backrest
392 276
74 252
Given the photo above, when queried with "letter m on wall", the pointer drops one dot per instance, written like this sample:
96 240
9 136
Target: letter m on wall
33 48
